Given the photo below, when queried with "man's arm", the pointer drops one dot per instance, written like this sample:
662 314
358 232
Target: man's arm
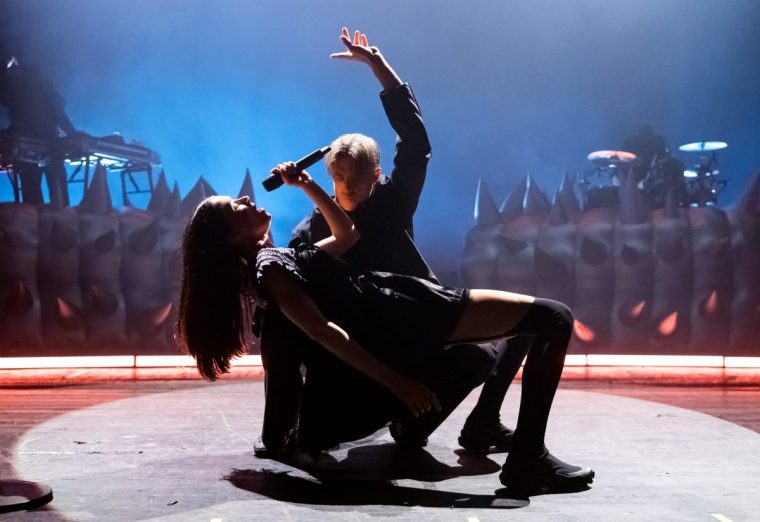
412 149
412 145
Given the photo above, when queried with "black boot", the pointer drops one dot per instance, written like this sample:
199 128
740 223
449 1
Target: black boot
480 438
543 474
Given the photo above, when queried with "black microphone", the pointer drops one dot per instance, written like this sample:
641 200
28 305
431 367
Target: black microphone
274 181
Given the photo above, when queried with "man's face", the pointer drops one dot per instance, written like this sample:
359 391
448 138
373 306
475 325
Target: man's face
352 186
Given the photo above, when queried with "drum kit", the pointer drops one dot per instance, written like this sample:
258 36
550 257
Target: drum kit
698 186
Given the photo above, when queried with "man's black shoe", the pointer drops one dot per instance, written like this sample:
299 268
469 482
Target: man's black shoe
544 474
405 436
481 438
260 450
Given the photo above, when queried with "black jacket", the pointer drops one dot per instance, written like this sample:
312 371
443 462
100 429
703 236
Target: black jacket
385 219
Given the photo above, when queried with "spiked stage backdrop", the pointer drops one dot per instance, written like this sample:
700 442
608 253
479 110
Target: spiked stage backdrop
98 280
668 281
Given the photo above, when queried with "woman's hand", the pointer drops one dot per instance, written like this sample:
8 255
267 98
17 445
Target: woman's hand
291 175
417 397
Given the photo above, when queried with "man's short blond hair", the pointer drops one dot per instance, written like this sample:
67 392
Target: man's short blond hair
362 149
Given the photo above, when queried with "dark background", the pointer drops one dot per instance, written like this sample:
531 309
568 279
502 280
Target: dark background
506 88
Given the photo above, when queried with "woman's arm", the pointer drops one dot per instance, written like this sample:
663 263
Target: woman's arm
301 310
344 233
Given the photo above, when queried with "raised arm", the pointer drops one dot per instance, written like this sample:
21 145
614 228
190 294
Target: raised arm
344 233
412 146
297 306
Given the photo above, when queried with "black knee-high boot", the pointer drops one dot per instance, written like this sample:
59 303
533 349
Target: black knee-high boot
551 323
511 354
483 430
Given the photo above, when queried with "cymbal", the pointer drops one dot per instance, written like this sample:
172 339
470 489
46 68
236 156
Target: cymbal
703 146
612 158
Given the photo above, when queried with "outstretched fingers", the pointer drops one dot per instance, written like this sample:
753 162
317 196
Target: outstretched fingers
356 48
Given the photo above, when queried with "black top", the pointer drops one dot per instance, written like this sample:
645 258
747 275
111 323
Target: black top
400 319
385 219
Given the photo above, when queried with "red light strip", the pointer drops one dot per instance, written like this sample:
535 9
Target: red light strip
112 361
168 361
709 361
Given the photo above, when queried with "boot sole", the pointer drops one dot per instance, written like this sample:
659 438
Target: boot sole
481 449
554 485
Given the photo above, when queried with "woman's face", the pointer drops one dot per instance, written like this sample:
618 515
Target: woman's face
248 225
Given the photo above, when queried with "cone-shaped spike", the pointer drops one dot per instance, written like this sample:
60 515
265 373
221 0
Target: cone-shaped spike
173 207
671 208
68 316
97 198
198 193
247 188
208 188
750 199
513 205
535 201
149 323
633 208
567 195
486 212
160 196
557 215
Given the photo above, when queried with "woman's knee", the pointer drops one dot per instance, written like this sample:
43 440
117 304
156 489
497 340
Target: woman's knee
546 314
560 313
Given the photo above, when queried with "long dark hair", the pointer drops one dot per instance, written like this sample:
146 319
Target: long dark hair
215 296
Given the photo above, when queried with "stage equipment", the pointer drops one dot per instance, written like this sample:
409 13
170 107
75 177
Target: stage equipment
19 149
84 152
604 193
663 176
703 146
703 182
613 158
114 154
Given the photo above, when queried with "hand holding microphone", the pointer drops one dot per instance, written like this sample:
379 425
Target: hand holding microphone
274 180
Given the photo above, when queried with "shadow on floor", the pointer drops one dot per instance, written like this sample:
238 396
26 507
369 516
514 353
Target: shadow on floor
365 477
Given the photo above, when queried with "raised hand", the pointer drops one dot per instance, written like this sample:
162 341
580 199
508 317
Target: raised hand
291 175
359 50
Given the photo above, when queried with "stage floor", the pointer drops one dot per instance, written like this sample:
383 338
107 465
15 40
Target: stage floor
182 450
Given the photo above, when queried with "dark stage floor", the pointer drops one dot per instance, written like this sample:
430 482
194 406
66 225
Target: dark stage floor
182 450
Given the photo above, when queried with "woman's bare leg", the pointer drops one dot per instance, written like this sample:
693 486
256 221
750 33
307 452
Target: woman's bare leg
490 314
